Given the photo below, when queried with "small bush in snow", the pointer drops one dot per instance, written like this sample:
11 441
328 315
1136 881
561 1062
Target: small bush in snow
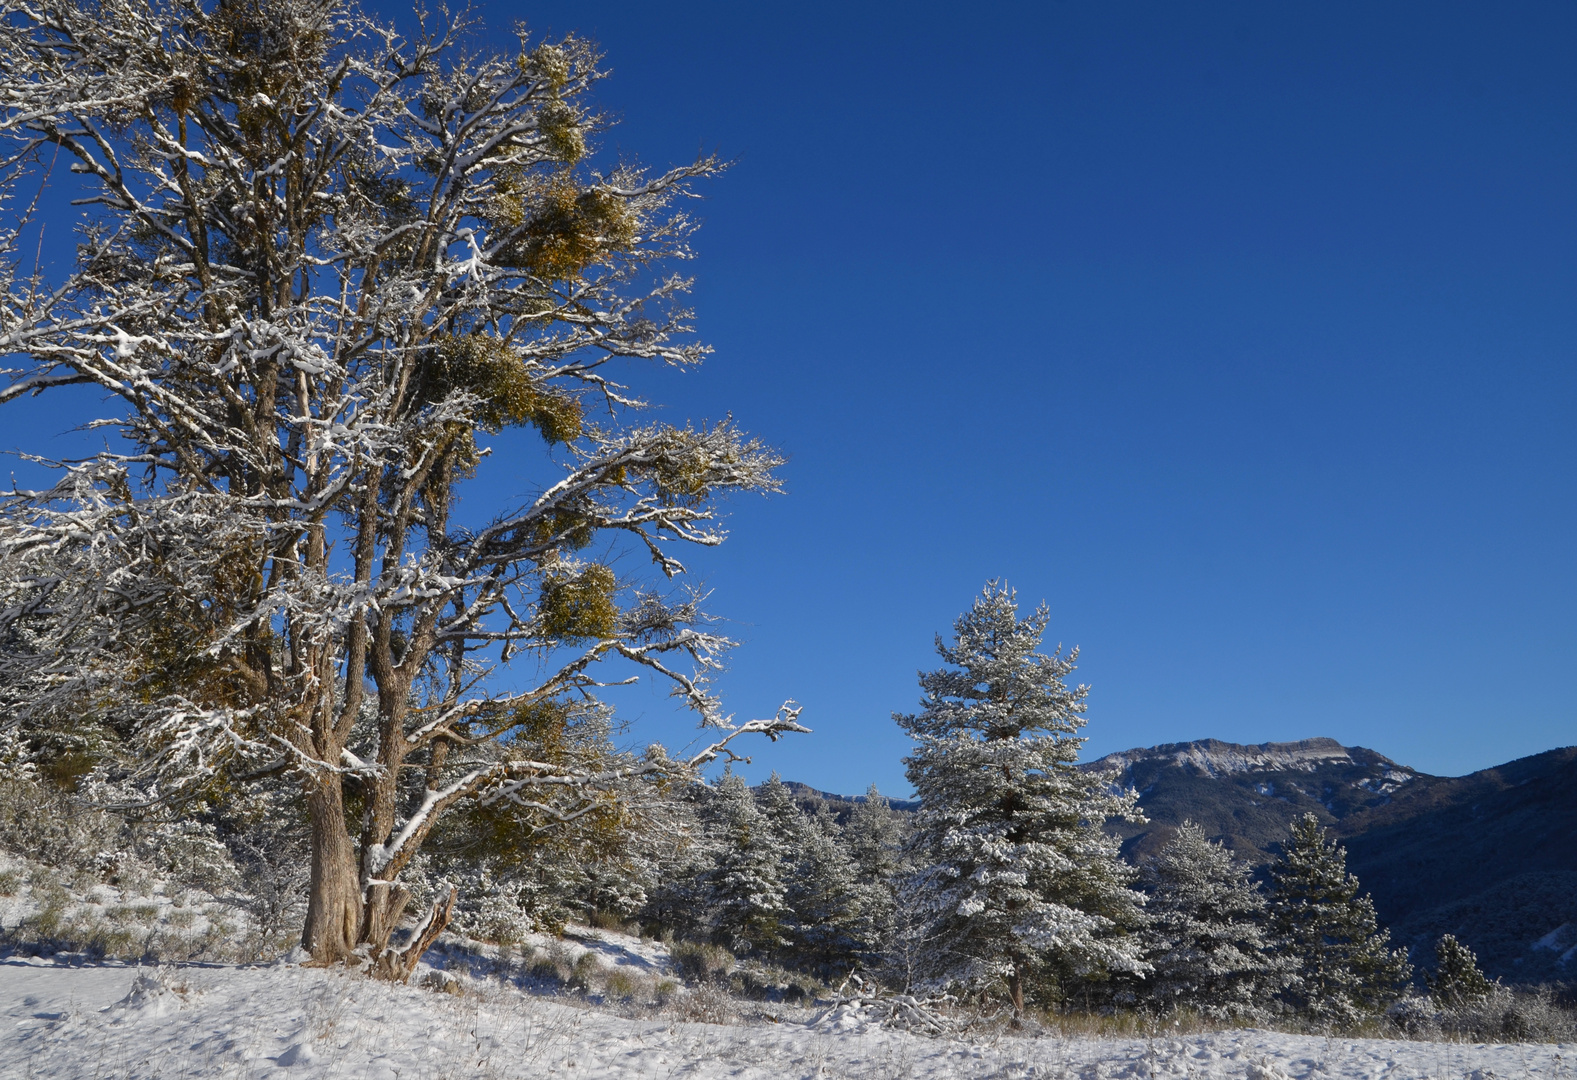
770 982
586 972
555 962
611 921
701 963
707 1004
621 985
1504 1014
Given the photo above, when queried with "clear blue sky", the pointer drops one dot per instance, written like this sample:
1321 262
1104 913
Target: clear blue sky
1241 334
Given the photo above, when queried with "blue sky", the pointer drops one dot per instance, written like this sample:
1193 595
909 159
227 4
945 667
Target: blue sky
1240 334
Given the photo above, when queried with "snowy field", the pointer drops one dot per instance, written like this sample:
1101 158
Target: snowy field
292 1022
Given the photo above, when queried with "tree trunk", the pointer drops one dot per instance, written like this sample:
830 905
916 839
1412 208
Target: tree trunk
1016 988
381 914
334 902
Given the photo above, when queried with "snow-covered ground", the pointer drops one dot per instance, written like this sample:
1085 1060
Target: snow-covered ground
290 1022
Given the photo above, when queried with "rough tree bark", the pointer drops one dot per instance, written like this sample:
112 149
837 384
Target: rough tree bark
334 904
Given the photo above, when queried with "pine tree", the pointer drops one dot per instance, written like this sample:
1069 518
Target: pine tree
1456 980
747 898
784 818
1345 966
1206 939
875 835
680 897
1020 886
824 899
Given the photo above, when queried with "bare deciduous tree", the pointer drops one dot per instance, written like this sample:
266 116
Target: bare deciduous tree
321 261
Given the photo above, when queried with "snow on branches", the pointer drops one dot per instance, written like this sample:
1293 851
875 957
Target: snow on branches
1019 885
321 263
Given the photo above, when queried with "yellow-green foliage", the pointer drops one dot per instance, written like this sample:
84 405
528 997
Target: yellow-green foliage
560 125
543 726
686 464
579 606
510 396
573 528
563 228
549 62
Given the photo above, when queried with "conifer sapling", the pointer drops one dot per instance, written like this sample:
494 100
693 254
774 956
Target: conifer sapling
1345 965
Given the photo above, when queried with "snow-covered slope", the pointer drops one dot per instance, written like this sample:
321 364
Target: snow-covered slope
1247 795
292 1022
1216 758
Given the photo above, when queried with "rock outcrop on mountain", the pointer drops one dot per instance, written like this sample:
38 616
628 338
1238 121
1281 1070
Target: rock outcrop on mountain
1247 796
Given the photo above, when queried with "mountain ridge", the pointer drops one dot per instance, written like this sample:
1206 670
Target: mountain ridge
1490 857
1216 756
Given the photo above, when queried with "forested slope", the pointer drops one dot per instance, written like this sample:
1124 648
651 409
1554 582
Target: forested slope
1490 857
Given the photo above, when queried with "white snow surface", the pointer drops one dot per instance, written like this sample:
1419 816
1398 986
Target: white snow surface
288 1022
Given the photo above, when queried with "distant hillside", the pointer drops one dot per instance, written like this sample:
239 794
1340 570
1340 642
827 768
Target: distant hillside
840 805
1490 857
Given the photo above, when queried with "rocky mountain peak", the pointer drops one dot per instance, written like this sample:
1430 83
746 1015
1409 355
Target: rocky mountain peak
1215 758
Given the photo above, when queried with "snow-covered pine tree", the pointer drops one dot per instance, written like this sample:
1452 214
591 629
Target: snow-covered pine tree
1021 887
824 899
785 820
876 836
747 898
1206 939
322 266
820 888
680 894
1345 967
1456 980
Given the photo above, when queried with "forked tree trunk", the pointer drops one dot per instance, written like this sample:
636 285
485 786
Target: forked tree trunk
381 913
396 965
342 924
